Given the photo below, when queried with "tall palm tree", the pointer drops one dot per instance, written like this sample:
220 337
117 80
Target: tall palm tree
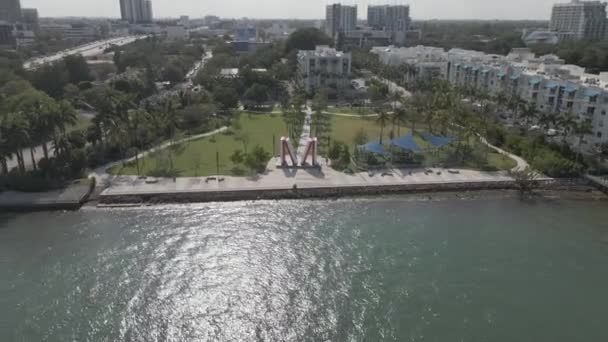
66 116
528 113
383 119
582 128
17 134
401 116
5 150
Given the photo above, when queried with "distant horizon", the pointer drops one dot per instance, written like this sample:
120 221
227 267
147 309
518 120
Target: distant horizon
485 10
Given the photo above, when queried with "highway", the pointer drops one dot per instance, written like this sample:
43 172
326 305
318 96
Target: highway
90 49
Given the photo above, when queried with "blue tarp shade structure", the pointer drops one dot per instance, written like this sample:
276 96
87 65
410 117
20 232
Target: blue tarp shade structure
592 92
406 142
570 88
485 71
551 85
514 77
373 147
437 141
534 81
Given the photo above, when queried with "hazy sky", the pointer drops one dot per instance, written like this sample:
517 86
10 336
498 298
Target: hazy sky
306 9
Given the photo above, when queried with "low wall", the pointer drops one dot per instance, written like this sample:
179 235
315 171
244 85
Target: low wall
336 192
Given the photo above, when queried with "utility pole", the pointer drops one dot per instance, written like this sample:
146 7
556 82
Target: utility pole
217 163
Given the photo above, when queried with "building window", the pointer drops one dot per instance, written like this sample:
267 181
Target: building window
569 105
591 110
599 134
603 112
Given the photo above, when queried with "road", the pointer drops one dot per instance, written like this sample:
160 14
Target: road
87 50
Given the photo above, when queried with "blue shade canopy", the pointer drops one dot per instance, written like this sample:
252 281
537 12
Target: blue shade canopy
437 141
514 77
592 92
534 80
501 74
570 88
406 142
551 85
373 147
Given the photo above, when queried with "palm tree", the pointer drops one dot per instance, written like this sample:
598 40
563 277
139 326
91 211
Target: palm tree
17 134
382 119
5 151
401 116
528 113
66 116
581 129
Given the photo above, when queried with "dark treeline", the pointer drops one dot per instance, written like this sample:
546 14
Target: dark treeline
497 37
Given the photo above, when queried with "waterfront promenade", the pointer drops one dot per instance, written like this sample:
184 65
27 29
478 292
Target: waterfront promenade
300 179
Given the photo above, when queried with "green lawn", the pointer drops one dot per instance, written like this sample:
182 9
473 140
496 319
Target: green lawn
258 128
501 162
350 110
82 124
345 129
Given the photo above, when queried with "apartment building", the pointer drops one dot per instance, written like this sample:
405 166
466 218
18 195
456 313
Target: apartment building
10 11
340 19
136 11
324 67
579 20
393 19
554 87
425 62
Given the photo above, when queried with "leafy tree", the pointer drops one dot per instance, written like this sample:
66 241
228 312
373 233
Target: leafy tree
307 39
225 97
77 69
361 137
50 78
237 157
257 159
257 93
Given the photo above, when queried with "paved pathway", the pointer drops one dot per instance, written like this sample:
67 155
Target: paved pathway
352 115
521 163
304 178
301 149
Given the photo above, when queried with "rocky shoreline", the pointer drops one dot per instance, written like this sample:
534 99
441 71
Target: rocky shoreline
580 186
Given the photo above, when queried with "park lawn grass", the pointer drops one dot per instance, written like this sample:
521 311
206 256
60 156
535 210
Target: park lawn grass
350 110
501 162
260 129
345 129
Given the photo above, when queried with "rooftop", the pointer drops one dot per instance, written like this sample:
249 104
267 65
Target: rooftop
322 51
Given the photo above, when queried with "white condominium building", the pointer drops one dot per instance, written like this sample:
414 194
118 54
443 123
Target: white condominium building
546 81
425 62
394 19
340 19
579 20
553 87
136 11
323 67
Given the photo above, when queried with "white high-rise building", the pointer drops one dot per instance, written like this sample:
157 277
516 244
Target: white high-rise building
136 11
340 19
579 20
10 10
394 19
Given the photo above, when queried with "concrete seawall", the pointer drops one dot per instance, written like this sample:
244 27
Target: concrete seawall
579 185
